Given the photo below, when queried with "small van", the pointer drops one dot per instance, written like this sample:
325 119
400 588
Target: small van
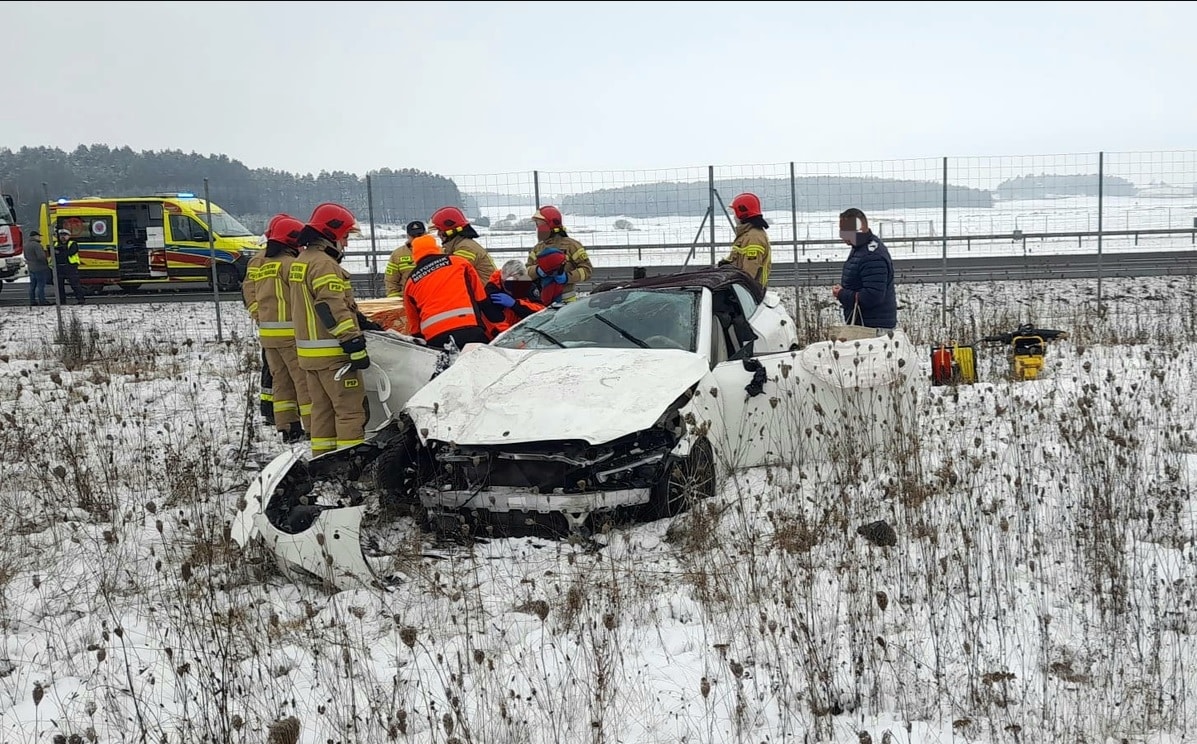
160 240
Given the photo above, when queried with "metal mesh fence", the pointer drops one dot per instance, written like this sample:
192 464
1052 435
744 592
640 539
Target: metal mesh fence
1076 209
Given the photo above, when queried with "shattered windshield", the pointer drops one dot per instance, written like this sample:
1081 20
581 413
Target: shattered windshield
619 319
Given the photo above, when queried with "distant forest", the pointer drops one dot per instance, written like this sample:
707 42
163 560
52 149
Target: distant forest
252 194
813 194
398 196
1045 186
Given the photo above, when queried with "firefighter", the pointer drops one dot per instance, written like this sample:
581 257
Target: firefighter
66 262
458 239
400 264
550 232
248 288
512 300
327 334
292 406
445 299
750 250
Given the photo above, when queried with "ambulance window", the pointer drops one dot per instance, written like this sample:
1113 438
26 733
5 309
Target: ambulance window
186 229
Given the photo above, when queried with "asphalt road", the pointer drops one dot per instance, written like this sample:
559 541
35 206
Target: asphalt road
908 271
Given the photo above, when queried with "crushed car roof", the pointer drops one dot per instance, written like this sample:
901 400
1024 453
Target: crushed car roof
713 278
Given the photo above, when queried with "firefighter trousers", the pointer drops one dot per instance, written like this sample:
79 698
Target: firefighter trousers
290 389
338 410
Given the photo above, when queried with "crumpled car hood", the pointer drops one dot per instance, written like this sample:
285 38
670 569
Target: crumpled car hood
493 395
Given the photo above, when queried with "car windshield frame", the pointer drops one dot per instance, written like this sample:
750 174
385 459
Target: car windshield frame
657 318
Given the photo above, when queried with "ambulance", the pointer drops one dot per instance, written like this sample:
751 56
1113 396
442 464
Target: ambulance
151 241
12 260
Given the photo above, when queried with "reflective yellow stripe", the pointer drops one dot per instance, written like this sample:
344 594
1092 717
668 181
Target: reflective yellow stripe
579 256
319 353
280 294
345 325
251 273
396 293
323 444
398 267
752 251
253 307
467 255
348 442
276 332
305 409
267 397
281 406
358 354
332 281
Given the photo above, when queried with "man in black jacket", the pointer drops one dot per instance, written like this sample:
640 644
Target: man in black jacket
866 289
66 262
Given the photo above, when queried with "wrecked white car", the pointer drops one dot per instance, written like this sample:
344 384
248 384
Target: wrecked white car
632 401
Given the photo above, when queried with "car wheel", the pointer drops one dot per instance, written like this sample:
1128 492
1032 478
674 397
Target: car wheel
685 481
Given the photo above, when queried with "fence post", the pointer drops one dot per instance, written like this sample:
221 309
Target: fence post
52 235
794 229
1101 182
212 258
536 187
711 197
944 279
373 236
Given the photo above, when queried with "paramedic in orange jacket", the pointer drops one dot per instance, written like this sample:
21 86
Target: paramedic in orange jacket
515 304
328 335
445 299
276 327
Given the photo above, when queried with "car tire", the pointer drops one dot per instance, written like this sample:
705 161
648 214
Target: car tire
684 481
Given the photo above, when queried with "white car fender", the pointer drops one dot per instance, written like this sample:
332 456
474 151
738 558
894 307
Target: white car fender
257 495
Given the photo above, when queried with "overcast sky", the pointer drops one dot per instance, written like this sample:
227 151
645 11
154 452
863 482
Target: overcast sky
477 88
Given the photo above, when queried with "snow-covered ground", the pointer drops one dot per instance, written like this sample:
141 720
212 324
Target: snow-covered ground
1041 588
655 241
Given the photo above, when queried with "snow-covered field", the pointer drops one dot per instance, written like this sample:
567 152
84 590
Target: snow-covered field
1041 588
647 239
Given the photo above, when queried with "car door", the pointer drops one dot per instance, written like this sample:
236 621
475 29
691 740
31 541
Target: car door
761 408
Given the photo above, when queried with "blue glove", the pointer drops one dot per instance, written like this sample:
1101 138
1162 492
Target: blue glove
561 278
502 298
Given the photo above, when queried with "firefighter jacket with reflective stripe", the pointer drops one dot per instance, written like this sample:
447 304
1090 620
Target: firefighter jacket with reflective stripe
445 294
398 269
470 250
511 315
325 311
248 289
276 327
67 255
577 263
751 253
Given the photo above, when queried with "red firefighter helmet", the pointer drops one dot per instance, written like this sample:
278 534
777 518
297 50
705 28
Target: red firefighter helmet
745 206
333 221
285 229
449 219
550 215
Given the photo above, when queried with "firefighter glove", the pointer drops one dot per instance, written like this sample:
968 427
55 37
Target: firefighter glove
356 349
503 299
366 324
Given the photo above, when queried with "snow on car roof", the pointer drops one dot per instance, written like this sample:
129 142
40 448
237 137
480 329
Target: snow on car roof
713 278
